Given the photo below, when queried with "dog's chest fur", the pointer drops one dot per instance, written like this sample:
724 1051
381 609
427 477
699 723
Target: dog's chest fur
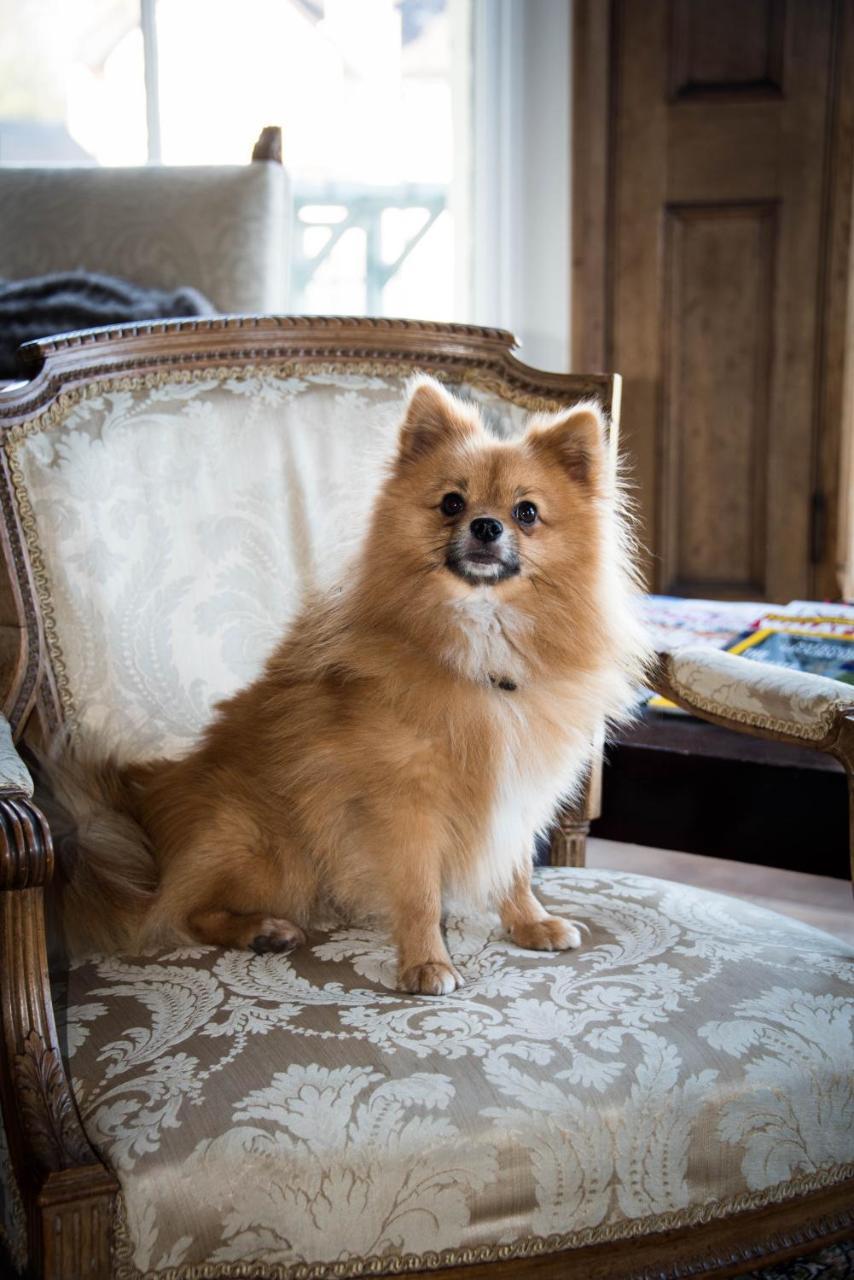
537 758
488 637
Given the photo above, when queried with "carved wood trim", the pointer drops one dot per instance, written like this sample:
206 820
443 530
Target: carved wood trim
46 1107
48 1147
64 361
568 845
76 1208
712 1251
19 694
269 144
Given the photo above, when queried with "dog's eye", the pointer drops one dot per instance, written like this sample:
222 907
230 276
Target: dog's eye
452 504
525 513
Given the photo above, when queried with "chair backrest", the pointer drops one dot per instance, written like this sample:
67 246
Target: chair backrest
169 491
223 230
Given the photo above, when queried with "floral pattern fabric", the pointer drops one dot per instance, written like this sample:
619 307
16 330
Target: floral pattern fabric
694 1057
174 522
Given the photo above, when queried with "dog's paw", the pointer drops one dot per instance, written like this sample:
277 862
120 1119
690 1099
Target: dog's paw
432 979
276 935
550 934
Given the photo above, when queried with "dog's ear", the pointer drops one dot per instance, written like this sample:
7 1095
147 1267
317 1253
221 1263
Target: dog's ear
433 415
576 439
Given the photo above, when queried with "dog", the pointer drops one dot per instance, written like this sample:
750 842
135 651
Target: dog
413 731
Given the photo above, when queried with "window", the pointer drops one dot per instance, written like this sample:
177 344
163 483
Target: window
428 141
364 90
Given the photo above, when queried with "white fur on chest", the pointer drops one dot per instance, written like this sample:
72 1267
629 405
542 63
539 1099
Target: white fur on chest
531 776
490 637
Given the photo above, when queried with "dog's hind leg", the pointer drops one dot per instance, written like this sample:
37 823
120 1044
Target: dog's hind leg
223 928
244 900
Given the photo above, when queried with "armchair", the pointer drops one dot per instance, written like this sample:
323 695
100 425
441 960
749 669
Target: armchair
222 229
674 1099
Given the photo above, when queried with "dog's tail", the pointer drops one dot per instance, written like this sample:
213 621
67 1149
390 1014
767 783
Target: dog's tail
108 867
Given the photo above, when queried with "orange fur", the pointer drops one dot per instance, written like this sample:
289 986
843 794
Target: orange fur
377 762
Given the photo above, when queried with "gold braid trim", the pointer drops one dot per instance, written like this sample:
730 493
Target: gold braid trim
64 405
527 1247
813 732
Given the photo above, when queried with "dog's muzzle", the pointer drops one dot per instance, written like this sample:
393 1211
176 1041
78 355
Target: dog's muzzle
484 553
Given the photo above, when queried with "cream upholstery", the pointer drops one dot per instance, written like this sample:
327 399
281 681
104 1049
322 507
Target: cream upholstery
766 696
694 1058
175 521
223 230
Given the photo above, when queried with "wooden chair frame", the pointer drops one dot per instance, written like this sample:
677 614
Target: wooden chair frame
69 1197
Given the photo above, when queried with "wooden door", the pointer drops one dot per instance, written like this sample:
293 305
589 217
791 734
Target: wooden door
712 176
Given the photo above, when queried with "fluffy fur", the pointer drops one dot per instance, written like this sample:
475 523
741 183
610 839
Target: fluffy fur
412 731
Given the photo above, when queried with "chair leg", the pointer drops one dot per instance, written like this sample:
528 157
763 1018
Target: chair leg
568 846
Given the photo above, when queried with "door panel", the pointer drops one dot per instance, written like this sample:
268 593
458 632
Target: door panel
713 284
717 334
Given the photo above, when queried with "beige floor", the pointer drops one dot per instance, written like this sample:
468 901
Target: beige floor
821 901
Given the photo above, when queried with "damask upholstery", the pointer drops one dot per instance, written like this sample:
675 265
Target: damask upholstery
766 696
174 521
298 1116
223 230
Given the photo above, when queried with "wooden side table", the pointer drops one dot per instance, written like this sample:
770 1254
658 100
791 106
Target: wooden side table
677 783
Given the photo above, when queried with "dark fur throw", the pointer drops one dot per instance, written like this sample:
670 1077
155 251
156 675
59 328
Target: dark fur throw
46 305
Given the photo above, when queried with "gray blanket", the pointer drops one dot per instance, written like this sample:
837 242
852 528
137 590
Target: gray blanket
46 305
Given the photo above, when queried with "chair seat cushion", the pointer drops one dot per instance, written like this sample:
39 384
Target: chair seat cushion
693 1059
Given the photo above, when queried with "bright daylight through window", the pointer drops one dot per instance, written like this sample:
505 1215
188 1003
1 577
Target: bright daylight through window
367 92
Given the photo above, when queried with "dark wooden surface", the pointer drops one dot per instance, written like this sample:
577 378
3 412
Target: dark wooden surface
679 783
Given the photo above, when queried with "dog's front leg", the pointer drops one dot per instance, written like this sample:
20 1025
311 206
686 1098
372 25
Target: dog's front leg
528 922
424 966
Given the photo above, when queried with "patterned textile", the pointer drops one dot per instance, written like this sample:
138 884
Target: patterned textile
174 521
693 1058
836 1262
768 697
68 300
14 775
223 230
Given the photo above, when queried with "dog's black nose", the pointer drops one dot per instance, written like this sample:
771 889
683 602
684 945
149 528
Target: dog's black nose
486 529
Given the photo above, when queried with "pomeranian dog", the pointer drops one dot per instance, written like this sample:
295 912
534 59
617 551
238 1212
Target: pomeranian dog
413 731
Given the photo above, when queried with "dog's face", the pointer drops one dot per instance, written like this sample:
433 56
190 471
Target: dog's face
474 512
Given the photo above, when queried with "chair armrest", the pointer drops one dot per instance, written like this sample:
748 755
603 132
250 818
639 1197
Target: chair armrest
14 775
26 850
765 701
68 1195
752 697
